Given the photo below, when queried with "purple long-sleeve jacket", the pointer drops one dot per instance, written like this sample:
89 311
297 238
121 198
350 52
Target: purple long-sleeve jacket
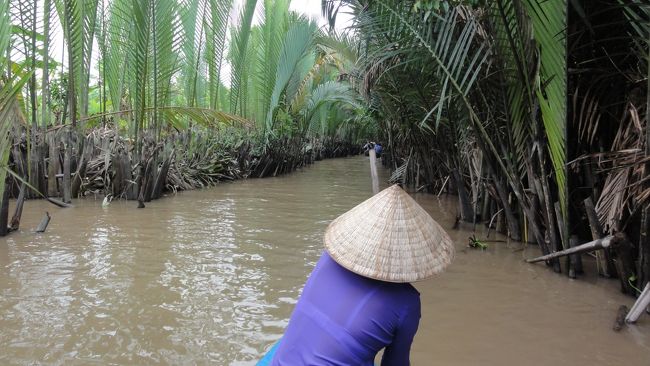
342 318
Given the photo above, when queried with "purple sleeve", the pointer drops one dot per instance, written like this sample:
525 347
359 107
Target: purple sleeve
397 353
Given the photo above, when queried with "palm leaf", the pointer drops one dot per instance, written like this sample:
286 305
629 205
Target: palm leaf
8 109
274 28
79 25
324 97
216 31
549 20
514 54
113 40
139 55
5 29
239 51
295 46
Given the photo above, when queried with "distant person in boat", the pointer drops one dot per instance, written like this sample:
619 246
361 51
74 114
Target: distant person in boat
378 149
366 148
359 300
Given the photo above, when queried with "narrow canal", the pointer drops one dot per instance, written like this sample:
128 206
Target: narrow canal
211 277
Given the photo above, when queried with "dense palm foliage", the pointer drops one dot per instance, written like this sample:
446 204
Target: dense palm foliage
482 97
462 94
150 70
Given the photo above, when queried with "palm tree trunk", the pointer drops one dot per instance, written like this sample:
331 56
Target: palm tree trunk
550 217
33 149
18 211
45 83
511 220
72 105
466 211
4 208
45 94
67 156
54 165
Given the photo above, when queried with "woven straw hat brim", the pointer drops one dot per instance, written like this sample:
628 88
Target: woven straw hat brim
389 237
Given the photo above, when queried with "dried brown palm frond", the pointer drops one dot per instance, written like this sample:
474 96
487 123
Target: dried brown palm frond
587 112
613 199
625 168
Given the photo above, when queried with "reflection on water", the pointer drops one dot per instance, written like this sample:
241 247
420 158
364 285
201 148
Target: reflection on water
211 277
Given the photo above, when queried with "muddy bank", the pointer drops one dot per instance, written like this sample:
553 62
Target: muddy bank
66 164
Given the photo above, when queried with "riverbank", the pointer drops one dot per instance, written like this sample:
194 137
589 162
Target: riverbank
211 276
101 162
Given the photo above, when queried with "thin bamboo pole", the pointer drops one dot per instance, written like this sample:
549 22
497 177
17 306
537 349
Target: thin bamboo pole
373 171
639 306
603 243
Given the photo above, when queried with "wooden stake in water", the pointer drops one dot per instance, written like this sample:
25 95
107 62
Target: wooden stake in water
639 306
44 222
373 171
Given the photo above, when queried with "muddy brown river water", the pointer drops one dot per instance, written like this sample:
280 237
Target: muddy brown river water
211 277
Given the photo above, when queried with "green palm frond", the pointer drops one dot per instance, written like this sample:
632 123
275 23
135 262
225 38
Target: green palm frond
452 49
271 35
5 29
295 46
139 61
166 31
79 18
206 117
326 99
302 81
549 20
344 45
191 12
148 40
239 51
204 25
638 13
216 32
515 58
113 40
301 84
9 90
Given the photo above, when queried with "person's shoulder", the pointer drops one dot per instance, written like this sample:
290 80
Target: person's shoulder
410 300
405 289
412 291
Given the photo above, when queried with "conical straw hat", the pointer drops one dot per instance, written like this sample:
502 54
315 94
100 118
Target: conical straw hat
389 237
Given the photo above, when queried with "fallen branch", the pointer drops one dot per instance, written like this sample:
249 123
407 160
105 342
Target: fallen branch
44 222
57 202
602 243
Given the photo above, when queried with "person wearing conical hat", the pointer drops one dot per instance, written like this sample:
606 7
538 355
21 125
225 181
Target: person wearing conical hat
359 300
